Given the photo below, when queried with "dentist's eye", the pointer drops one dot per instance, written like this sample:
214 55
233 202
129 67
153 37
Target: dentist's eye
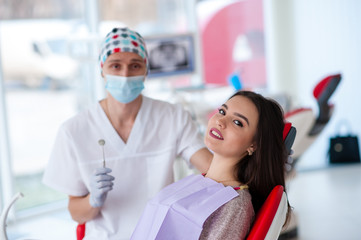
135 66
116 66
238 123
221 111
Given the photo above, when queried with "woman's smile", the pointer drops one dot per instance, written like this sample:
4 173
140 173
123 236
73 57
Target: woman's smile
215 133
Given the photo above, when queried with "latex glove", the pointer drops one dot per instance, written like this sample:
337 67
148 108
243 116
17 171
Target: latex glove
100 184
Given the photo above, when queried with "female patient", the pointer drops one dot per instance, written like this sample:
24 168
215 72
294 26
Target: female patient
249 158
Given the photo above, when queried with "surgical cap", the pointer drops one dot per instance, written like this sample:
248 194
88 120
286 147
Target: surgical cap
122 40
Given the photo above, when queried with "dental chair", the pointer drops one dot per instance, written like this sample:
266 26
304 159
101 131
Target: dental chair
268 222
80 231
271 217
308 125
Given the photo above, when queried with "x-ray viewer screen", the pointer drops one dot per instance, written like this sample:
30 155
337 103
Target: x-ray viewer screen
170 55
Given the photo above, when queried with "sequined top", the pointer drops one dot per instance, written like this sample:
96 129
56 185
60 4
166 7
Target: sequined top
232 220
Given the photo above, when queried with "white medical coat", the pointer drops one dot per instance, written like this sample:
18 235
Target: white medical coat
141 167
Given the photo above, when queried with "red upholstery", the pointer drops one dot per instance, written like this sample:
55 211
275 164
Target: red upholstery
286 129
266 214
296 111
80 231
317 91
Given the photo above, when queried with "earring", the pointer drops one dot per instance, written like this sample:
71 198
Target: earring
250 152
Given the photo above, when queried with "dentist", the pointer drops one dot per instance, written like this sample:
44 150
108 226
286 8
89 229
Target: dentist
143 137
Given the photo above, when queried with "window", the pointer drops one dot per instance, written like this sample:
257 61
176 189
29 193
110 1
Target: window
41 85
50 72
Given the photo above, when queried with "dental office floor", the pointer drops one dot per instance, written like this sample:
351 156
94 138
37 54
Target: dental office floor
326 201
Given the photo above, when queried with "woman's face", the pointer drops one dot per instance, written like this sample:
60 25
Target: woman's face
231 131
124 64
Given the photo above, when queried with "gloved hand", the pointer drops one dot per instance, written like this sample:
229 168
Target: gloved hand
100 184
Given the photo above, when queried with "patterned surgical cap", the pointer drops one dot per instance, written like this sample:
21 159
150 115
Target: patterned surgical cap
122 40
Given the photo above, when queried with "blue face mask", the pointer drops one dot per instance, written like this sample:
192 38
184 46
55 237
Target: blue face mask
124 89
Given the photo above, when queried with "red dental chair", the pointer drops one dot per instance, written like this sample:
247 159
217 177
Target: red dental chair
271 217
267 225
80 231
308 125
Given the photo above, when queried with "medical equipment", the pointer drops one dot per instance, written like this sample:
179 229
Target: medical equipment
4 215
102 143
308 125
309 128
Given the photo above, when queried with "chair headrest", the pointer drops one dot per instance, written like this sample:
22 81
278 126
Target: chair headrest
289 136
326 86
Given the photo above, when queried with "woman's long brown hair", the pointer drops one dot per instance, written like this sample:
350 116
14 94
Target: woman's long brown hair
265 168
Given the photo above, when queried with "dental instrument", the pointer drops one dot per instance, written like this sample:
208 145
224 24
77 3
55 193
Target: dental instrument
4 215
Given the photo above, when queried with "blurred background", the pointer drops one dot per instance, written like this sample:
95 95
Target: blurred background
49 71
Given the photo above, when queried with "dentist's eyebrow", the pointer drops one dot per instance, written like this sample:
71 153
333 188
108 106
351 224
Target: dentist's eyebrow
121 60
237 114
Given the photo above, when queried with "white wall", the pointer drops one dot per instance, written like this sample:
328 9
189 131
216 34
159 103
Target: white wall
319 37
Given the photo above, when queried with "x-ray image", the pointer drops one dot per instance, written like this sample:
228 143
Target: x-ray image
171 55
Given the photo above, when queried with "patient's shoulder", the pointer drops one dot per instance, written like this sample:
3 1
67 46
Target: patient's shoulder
241 204
232 220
